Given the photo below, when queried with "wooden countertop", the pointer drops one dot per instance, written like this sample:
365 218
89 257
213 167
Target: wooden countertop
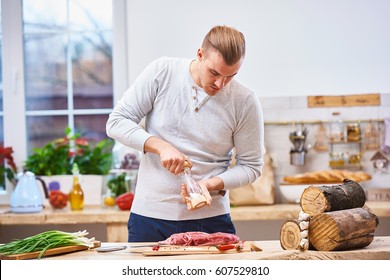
104 215
379 249
65 216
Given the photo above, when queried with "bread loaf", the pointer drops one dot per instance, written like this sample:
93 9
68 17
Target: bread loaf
327 176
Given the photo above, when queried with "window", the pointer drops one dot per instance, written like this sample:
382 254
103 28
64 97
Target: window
2 176
67 68
58 62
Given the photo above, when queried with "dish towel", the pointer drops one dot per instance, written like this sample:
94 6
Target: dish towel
386 143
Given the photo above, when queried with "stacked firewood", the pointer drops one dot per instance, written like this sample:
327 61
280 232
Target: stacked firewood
332 218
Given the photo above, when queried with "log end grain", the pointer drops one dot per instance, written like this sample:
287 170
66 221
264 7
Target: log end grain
313 201
290 236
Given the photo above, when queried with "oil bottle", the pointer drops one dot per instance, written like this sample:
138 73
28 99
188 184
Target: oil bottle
196 196
76 195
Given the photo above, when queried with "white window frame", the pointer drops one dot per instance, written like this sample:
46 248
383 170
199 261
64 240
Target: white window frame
15 133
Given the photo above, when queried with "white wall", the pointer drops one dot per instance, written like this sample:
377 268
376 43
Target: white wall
294 47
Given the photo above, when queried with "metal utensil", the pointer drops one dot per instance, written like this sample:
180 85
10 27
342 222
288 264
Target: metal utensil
110 248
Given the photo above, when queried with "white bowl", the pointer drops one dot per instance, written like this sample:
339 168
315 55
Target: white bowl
292 193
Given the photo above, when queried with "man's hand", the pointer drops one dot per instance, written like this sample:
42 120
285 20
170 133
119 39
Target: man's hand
171 158
186 197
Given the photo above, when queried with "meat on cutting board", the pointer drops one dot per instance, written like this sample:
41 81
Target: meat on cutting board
196 238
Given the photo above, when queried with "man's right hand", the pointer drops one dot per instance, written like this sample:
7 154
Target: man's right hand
171 158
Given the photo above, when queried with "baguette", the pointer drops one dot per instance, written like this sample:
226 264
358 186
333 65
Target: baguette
327 176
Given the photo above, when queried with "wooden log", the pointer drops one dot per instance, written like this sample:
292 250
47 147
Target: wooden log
343 229
290 236
319 199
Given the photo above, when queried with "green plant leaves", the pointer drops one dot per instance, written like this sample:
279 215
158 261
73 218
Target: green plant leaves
58 156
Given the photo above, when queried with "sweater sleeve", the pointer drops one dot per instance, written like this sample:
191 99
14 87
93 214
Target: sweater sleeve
249 145
123 123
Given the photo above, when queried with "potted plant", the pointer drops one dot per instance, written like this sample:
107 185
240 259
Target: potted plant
57 157
54 161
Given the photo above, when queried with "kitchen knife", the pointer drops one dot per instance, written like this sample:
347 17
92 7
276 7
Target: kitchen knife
110 248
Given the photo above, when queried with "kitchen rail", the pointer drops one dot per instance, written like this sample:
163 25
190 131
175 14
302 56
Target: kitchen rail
116 220
321 122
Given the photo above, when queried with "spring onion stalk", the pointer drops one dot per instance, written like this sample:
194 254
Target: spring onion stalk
46 240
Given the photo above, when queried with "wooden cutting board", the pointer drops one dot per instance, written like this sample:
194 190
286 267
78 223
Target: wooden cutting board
49 252
172 250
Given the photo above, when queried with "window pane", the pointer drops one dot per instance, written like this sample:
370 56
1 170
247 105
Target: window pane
92 70
2 178
1 70
68 66
44 15
43 129
92 127
45 71
90 14
1 132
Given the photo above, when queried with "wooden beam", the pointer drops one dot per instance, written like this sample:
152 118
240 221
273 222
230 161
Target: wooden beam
372 99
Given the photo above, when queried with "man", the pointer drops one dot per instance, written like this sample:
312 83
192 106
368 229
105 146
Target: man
194 111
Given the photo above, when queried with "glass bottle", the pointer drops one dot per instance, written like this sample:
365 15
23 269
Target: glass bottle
76 195
196 196
337 128
321 136
371 137
116 157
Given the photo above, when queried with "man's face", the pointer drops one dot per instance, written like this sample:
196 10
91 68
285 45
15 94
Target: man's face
214 74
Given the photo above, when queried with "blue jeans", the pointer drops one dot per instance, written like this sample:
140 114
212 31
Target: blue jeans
144 229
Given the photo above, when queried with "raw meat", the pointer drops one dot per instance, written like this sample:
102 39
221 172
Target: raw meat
196 238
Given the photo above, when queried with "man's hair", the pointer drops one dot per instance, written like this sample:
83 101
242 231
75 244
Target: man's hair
229 42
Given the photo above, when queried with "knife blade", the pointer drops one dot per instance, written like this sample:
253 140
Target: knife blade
110 248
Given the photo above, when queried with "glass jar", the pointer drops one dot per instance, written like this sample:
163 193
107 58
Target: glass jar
354 159
336 160
353 132
108 199
336 128
195 193
57 199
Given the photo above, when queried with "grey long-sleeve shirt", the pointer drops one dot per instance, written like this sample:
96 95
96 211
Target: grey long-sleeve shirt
163 94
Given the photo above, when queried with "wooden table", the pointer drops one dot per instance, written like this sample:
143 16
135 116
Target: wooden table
379 249
116 220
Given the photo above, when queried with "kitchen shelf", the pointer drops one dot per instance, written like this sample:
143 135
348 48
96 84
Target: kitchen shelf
347 151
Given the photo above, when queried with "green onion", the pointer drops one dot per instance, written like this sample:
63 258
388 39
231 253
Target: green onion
46 240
